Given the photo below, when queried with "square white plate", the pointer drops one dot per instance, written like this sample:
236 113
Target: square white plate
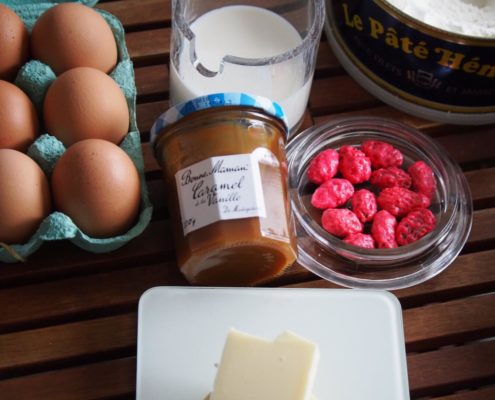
181 332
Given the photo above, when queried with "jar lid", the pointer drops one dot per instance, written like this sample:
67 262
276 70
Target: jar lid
215 100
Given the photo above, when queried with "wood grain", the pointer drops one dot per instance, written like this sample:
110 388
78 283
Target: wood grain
68 343
486 393
442 324
426 328
105 380
451 368
151 81
139 13
149 46
69 317
468 275
436 372
118 290
62 259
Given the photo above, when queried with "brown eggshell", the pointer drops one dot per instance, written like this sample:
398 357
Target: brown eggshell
14 43
97 185
85 103
19 124
24 197
72 35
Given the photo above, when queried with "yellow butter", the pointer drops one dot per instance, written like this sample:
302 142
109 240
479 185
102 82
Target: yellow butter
253 368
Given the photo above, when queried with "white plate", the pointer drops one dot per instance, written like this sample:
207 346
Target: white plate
182 330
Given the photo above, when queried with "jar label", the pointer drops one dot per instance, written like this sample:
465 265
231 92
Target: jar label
222 188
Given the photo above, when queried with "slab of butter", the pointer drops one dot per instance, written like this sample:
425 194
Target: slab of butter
255 368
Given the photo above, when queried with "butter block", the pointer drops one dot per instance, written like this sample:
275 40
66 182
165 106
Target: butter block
253 368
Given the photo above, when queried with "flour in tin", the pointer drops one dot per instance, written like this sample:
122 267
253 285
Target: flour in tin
467 17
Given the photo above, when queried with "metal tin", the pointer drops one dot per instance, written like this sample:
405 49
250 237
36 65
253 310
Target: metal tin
417 68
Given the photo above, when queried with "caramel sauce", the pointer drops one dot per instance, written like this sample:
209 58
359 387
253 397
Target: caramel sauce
243 251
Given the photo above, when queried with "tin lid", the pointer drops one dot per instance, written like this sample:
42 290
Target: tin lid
215 100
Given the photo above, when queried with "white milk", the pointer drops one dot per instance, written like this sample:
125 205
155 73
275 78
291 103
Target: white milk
248 32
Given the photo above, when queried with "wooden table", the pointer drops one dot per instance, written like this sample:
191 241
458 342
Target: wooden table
68 317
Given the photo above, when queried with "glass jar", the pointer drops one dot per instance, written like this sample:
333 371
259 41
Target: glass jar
225 170
225 46
351 266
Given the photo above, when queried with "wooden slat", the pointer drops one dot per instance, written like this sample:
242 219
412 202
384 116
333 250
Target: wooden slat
441 324
150 163
451 369
430 373
339 94
63 259
158 197
326 62
475 146
452 138
469 274
482 185
483 223
132 13
382 112
425 328
105 380
28 349
142 13
41 303
152 81
151 45
486 393
147 114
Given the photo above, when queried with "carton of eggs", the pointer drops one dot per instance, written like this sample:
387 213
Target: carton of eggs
55 168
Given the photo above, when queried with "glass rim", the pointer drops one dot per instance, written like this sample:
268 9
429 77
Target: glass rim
311 37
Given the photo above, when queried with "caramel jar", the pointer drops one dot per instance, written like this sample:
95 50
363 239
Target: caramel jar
225 171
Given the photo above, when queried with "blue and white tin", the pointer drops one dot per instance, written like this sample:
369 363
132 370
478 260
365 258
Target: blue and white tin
426 71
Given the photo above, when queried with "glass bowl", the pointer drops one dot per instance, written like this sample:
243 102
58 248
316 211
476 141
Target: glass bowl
336 261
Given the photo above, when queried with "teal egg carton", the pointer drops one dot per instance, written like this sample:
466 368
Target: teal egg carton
34 78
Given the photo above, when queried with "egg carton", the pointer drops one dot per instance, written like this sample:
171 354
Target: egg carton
34 78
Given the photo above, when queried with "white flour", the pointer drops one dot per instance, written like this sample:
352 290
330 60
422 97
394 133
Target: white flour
468 17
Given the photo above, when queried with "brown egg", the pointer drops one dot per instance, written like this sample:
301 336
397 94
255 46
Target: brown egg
19 125
85 103
14 43
72 35
24 197
97 185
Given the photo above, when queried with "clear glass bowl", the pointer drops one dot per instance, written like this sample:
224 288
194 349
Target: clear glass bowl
351 266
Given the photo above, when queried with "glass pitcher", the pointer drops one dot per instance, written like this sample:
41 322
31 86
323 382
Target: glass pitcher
266 48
